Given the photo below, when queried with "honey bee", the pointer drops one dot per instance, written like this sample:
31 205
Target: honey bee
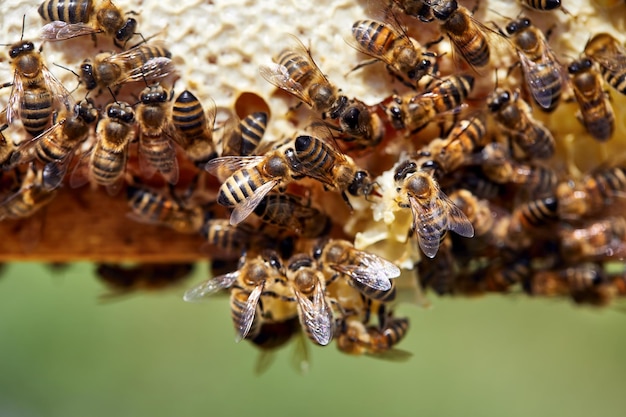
34 89
252 179
193 127
542 71
242 138
360 125
273 336
596 112
152 207
433 212
107 161
314 311
289 212
513 116
355 338
295 72
477 211
149 277
143 62
313 158
7 149
535 218
457 149
600 239
71 18
56 146
156 152
542 5
610 55
592 194
415 112
389 43
31 197
231 241
502 278
367 272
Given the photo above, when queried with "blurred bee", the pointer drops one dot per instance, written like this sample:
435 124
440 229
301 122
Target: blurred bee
7 149
314 310
289 212
354 338
156 151
415 112
388 42
500 279
433 212
56 146
230 241
148 277
248 284
273 335
295 72
592 194
610 55
367 272
107 161
513 116
194 128
360 125
477 211
596 112
143 62
241 138
469 36
544 76
441 272
600 239
313 158
152 207
71 18
31 196
542 5
608 4
34 89
499 167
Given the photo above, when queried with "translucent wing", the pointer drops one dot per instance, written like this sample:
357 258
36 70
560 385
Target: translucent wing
279 76
13 107
539 83
224 166
243 210
457 221
210 286
372 271
60 31
23 153
80 173
247 317
429 224
54 172
316 316
613 59
58 89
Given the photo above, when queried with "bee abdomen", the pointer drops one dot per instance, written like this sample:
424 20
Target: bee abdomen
240 186
69 11
36 110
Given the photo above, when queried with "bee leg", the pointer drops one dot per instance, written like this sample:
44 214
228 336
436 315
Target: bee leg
361 65
432 43
9 84
347 200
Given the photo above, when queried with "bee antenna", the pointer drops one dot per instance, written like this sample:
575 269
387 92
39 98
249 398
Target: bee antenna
23 26
113 95
67 69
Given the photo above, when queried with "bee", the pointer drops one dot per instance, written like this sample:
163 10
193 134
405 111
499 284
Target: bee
441 272
542 5
152 207
596 112
56 146
107 161
295 72
121 279
415 112
247 285
477 211
314 311
360 125
542 71
389 43
610 55
232 241
156 151
71 18
289 212
600 239
468 35
273 335
313 158
592 194
194 128
513 116
367 272
355 338
502 278
7 149
463 139
34 89
252 178
143 62
243 137
433 212
31 197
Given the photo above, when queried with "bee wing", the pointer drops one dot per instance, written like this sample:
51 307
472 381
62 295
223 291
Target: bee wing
316 316
393 355
23 151
300 357
210 286
429 228
612 59
54 172
247 317
372 271
457 220
80 173
537 79
60 31
58 89
246 207
224 166
153 69
13 107
279 76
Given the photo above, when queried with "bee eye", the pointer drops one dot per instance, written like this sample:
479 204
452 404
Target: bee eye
511 28
29 46
14 52
526 23
573 68
351 118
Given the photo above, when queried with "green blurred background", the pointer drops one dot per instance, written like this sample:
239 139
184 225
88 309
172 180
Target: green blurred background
64 353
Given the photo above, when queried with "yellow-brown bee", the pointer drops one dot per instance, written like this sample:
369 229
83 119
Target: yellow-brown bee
542 5
193 127
355 338
156 150
601 239
143 277
433 212
228 241
71 18
542 71
30 197
241 138
610 55
290 212
476 210
596 111
360 125
143 62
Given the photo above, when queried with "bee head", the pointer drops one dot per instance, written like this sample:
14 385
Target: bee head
127 30
20 49
498 99
86 75
361 184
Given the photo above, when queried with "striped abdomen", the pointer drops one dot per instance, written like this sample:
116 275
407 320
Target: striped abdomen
69 11
36 110
188 117
240 186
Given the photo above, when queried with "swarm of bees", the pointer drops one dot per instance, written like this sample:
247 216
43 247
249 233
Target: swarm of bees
309 233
